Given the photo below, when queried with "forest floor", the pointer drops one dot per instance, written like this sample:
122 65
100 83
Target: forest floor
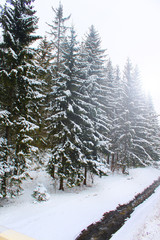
67 213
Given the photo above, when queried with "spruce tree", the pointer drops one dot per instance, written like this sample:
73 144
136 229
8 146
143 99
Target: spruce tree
114 105
125 128
18 83
44 59
133 140
57 33
152 131
65 120
95 131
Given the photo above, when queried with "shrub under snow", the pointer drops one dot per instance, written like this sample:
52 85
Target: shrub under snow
40 193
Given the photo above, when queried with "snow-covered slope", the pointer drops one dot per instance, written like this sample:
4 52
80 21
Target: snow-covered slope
67 213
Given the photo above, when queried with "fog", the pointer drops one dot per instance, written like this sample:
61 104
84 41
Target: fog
128 28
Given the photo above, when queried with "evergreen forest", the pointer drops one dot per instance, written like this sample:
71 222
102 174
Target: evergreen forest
65 100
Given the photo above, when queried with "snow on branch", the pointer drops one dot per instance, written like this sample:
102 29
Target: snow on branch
139 160
27 126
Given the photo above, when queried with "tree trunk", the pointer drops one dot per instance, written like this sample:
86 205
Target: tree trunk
4 185
61 187
85 176
53 172
117 158
112 163
108 159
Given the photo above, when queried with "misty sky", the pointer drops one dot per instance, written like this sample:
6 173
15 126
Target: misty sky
128 28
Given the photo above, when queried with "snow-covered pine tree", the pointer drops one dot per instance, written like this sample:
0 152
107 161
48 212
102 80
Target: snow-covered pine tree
44 58
18 84
132 140
67 156
6 152
114 105
95 132
122 131
45 55
113 89
139 155
57 33
62 123
152 130
86 124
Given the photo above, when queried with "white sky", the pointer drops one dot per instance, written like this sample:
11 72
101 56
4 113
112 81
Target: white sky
128 28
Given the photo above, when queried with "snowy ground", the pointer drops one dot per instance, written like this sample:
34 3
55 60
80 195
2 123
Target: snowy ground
144 223
67 213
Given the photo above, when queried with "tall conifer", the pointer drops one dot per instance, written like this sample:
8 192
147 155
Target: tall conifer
18 81
95 131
